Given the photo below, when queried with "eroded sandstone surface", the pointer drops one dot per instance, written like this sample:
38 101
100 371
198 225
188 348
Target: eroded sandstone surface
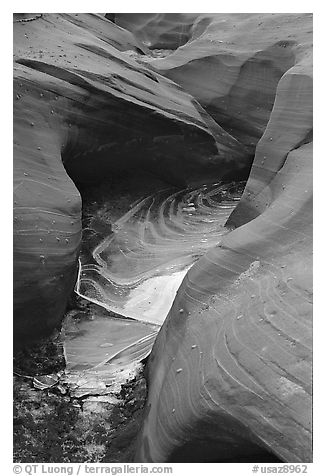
231 63
230 371
238 335
83 105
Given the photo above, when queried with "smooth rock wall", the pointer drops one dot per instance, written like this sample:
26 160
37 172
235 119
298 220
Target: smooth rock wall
230 371
83 105
232 63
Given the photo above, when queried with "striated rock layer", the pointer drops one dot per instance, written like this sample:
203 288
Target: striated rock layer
230 371
83 105
231 64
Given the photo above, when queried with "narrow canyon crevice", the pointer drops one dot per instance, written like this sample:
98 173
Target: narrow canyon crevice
162 169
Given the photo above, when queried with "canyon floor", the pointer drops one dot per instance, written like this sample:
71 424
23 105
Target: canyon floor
50 426
163 237
52 421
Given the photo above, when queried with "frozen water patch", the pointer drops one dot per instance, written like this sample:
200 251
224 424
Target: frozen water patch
136 272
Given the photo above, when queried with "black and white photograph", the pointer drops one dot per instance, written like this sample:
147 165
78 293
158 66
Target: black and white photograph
162 239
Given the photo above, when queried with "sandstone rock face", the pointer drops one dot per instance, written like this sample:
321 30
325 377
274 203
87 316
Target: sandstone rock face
230 371
83 105
243 57
157 30
238 335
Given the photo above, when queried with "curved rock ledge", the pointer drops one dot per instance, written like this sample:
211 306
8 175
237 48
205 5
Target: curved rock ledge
243 55
230 370
238 336
83 105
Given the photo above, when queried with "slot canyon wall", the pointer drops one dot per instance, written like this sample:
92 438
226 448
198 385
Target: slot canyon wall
238 336
95 96
83 105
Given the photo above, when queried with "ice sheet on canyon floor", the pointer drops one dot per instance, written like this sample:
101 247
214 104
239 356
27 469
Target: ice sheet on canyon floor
141 265
103 352
137 271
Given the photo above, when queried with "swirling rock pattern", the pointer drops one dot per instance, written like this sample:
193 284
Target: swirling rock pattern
243 56
232 372
137 270
82 105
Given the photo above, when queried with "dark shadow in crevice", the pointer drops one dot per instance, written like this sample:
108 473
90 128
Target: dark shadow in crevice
218 451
